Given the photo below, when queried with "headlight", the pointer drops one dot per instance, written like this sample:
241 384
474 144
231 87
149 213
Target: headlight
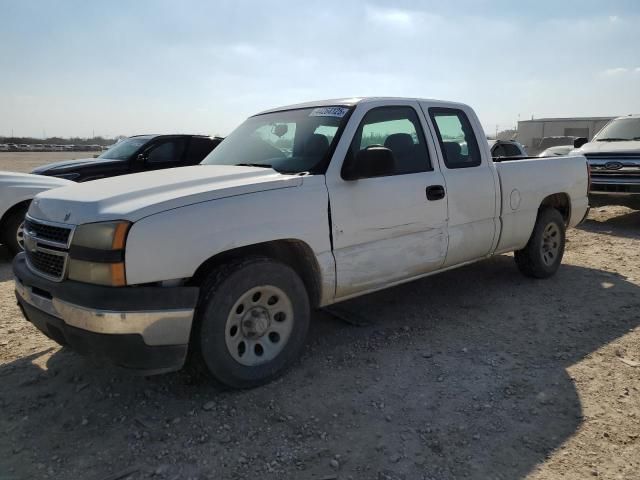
97 253
101 236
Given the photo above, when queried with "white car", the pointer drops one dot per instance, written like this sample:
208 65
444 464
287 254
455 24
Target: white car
16 192
300 207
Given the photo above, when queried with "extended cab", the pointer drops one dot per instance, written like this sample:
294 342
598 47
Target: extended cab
300 207
614 158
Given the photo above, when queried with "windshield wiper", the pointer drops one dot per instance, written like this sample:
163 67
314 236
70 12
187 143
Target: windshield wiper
261 165
613 139
266 165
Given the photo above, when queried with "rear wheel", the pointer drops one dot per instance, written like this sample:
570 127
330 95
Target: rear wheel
13 230
543 253
251 321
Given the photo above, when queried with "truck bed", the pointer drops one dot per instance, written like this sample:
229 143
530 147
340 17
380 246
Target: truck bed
528 181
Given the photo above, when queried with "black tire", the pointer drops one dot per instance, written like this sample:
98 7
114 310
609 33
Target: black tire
533 260
10 228
219 294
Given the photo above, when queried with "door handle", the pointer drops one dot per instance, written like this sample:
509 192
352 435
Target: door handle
435 192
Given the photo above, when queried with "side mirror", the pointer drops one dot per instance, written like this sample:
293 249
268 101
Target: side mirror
141 157
580 141
370 162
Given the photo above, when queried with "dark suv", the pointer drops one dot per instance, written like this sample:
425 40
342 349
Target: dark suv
135 154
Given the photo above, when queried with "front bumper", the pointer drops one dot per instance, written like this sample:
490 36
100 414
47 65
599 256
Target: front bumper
141 328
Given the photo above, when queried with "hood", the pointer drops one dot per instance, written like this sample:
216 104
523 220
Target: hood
132 197
62 165
609 147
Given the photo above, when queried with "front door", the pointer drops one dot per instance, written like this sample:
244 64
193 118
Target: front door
385 229
167 152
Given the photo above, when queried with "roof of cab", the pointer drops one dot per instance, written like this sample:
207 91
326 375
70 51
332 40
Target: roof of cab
352 101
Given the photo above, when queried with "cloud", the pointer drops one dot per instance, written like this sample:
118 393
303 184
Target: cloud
390 17
407 21
619 71
613 72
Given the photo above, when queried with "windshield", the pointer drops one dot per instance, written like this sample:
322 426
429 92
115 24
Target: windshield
619 130
291 141
124 149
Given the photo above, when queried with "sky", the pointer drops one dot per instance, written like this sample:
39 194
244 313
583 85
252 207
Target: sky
75 68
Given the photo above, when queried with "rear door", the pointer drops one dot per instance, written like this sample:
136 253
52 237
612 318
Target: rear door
471 183
385 229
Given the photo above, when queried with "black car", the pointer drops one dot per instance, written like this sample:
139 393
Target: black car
135 154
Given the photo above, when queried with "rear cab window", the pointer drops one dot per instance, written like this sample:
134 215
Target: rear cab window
456 137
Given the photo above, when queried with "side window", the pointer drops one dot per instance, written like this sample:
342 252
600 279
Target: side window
457 138
166 151
199 148
399 130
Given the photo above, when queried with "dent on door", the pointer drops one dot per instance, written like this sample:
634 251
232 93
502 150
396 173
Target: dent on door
386 231
407 251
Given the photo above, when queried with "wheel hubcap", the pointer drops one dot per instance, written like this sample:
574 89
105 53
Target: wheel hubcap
20 236
259 325
550 243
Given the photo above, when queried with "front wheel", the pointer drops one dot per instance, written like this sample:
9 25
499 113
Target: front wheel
13 230
542 255
251 321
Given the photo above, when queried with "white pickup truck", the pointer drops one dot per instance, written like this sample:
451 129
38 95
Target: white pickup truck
300 207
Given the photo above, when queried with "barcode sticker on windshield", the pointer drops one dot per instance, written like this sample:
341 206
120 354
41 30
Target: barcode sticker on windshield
329 112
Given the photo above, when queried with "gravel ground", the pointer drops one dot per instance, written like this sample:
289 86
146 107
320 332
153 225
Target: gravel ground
475 373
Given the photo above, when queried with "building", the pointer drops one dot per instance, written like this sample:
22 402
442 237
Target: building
531 132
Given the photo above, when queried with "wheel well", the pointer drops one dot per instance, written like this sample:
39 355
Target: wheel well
17 206
294 253
559 201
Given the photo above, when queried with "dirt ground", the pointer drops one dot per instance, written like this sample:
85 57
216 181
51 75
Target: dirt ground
476 373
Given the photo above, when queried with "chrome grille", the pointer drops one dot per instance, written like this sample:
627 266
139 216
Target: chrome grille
46 247
46 263
48 232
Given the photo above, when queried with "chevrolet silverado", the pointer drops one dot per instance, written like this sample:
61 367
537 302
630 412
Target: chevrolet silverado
300 207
